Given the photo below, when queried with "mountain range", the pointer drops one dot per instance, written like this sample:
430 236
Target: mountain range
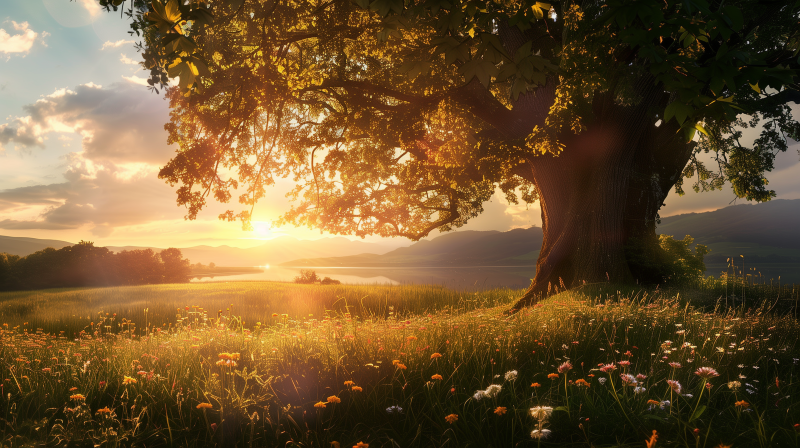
767 235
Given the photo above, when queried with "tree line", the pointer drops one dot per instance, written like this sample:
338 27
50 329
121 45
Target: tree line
86 265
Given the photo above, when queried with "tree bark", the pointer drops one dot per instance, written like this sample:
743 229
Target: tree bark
600 198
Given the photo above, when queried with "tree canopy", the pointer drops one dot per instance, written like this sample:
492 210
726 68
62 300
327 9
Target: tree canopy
398 117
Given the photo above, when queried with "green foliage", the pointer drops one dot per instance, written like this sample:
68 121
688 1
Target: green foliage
683 264
666 261
398 118
86 265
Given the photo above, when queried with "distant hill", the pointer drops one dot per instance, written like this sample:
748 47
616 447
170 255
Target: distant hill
767 234
518 247
273 251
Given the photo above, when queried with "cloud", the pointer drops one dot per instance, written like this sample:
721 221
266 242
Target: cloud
97 196
126 60
122 123
135 80
21 41
117 44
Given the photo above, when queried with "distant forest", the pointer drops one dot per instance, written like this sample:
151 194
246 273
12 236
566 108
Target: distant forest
86 265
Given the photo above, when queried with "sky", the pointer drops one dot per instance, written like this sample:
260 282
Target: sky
82 140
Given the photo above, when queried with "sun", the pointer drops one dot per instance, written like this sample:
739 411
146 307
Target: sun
262 229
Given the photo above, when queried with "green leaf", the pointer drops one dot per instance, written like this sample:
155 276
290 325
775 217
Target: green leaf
697 413
483 70
755 87
734 16
678 110
164 17
700 128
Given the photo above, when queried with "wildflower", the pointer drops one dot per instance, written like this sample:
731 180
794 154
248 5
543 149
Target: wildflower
204 406
582 382
536 385
128 380
706 373
628 380
394 410
436 355
639 390
104 410
654 402
479 394
361 445
452 418
665 404
356 389
734 385
651 441
500 410
602 381
742 404
624 363
541 412
436 377
492 390
77 397
401 366
641 377
349 383
675 386
73 389
511 375
675 365
46 370
540 433
319 405
395 362
552 376
563 368
334 399
607 368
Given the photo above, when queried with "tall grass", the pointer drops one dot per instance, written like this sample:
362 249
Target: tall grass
410 378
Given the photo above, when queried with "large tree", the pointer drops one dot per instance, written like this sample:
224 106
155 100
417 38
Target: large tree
399 117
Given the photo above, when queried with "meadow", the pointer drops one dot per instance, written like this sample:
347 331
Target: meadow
272 364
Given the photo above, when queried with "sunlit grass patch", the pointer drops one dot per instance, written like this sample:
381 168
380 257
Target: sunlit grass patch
576 370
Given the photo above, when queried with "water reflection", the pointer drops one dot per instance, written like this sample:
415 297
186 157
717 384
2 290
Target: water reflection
453 277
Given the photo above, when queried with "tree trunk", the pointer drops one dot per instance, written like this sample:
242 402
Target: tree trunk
600 198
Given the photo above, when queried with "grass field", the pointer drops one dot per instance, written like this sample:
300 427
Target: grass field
295 365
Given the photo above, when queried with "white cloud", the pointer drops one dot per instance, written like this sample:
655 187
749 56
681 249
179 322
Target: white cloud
135 80
21 41
117 44
92 7
126 60
121 123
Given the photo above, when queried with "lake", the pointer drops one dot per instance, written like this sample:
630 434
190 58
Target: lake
472 278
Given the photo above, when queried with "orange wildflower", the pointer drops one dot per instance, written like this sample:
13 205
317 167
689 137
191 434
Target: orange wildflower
319 405
128 380
436 377
401 366
552 376
452 418
349 383
436 355
334 399
536 385
204 406
357 389
500 410
582 382
361 445
742 404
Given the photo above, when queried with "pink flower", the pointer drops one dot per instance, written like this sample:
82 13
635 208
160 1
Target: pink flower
608 368
565 367
624 363
641 377
628 380
706 373
675 386
675 365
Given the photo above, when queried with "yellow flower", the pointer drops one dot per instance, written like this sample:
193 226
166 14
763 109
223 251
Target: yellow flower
395 362
552 376
436 377
319 405
500 410
334 399
129 380
77 397
356 389
349 383
436 355
452 418
204 406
